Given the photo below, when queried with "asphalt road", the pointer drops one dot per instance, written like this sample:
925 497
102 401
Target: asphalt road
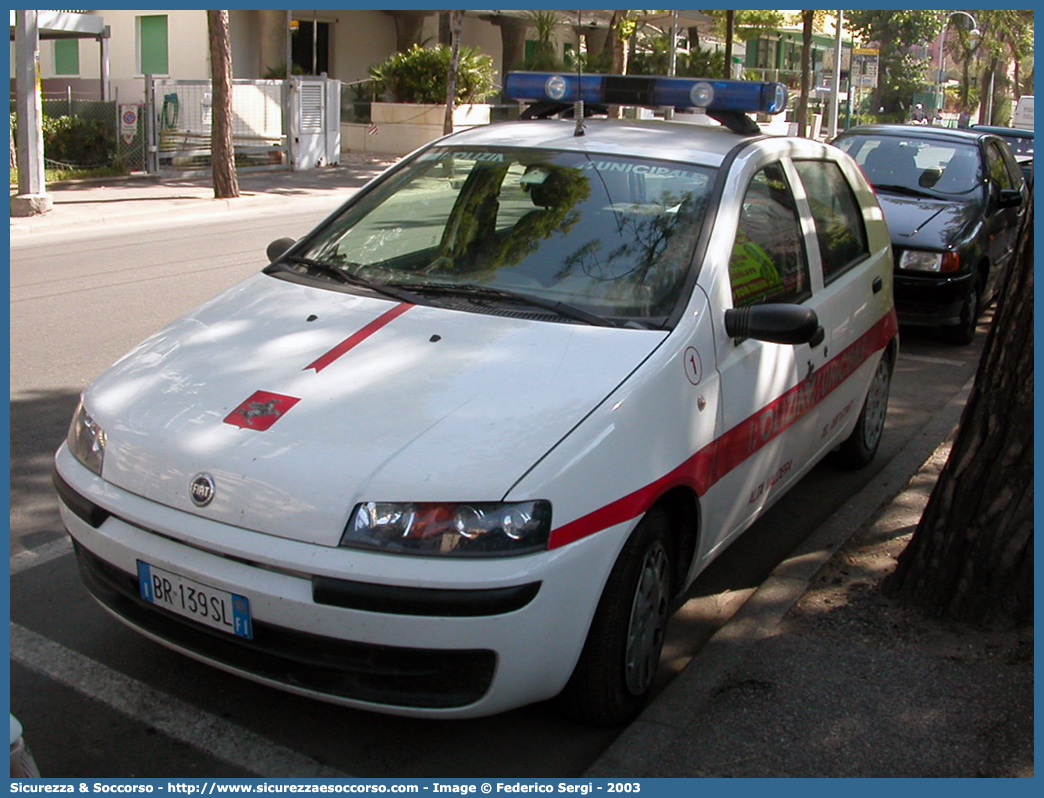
99 700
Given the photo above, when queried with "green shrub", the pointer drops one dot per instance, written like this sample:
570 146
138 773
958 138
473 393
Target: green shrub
419 75
77 141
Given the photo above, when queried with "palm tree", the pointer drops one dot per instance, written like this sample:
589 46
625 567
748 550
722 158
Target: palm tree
806 71
222 152
456 22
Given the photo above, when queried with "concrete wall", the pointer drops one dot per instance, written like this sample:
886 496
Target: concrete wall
400 128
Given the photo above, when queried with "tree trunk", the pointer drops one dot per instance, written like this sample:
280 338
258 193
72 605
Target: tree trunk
456 23
616 41
987 91
222 153
965 84
409 26
971 556
445 28
806 73
694 38
730 18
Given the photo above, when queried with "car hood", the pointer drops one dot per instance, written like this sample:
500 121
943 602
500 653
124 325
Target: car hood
924 222
299 402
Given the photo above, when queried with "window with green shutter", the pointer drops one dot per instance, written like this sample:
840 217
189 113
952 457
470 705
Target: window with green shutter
152 45
66 56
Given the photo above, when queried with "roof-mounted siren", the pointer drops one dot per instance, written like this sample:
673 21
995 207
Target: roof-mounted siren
727 101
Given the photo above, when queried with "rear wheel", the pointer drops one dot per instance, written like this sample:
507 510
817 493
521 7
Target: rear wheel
963 332
859 448
617 668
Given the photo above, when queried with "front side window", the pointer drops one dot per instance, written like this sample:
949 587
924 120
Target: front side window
837 216
152 45
768 262
611 235
999 172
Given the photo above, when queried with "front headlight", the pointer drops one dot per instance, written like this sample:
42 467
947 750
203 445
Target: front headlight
918 260
86 440
486 529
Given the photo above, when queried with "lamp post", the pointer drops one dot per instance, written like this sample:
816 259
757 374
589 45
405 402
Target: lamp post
939 97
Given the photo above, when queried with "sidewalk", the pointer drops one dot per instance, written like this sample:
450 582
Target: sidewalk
111 202
819 675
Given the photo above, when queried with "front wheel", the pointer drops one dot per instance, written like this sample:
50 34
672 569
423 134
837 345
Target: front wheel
859 448
614 677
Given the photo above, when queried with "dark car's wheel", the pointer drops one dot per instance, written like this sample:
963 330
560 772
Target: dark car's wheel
963 333
614 676
859 448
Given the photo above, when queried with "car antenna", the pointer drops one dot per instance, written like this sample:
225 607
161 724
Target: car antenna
578 107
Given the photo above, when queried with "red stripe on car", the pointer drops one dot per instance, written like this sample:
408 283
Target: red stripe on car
357 338
711 463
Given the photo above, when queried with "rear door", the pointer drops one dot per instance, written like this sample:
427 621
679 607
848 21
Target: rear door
855 298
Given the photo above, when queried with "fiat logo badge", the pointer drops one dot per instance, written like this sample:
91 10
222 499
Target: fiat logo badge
202 489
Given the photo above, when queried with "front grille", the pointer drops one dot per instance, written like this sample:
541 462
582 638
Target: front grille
407 677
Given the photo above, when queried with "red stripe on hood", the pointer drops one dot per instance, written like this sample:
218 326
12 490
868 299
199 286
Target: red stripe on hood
357 338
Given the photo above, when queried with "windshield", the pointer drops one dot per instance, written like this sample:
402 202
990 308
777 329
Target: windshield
1020 145
917 166
608 235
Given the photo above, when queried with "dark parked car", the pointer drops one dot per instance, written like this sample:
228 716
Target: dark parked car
955 201
1021 143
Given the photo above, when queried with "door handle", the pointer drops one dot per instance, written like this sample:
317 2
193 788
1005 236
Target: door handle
877 285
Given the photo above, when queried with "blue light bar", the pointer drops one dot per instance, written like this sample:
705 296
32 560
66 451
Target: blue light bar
657 92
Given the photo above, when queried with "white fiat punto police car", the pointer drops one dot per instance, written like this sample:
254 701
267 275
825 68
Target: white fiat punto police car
459 448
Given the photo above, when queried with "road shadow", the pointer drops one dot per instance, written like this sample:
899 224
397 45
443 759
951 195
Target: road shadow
39 422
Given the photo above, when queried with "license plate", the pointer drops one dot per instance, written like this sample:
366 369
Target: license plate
216 608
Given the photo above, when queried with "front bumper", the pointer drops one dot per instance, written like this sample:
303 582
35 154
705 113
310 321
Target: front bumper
930 300
422 678
397 634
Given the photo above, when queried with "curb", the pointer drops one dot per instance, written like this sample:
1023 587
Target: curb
638 748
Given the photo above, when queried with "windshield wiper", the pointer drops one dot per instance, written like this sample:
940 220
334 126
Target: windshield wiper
350 278
912 192
475 290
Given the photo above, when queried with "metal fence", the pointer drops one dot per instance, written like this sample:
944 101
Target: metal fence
183 115
90 134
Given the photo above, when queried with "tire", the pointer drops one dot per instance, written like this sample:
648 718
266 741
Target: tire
614 676
963 333
859 448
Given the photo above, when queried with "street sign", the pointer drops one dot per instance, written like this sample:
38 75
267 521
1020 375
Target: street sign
128 122
864 68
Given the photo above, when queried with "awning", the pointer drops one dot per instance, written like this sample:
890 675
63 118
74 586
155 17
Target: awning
66 25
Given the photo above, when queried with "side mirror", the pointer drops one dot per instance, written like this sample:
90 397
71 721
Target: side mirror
776 324
277 248
1009 198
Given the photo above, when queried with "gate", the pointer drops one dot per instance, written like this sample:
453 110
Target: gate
181 121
